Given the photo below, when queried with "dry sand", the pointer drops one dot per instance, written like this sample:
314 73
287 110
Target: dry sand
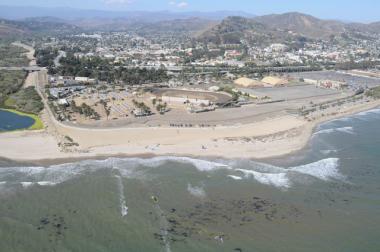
264 139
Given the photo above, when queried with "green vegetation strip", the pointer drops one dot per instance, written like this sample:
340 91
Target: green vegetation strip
374 92
38 124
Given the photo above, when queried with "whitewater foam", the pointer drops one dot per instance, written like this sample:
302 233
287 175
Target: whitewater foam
26 184
164 225
274 179
44 176
57 174
123 203
127 166
196 191
348 130
235 177
325 169
46 183
368 112
201 165
327 152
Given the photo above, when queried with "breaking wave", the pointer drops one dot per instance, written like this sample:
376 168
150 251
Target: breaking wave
348 130
26 184
235 177
369 112
363 116
273 179
127 167
326 169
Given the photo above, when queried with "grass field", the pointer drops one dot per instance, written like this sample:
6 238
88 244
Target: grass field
38 124
11 55
26 100
374 92
10 82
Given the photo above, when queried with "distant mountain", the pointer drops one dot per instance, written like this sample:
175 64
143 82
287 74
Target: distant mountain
231 30
22 12
7 29
187 25
190 26
284 28
374 27
34 26
193 22
222 27
302 24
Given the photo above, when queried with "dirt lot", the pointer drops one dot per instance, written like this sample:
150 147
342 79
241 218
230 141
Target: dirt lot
296 92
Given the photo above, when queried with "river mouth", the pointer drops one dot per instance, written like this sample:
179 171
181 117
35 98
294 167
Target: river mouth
12 121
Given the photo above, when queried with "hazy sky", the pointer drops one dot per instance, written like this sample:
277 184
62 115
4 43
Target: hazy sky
348 10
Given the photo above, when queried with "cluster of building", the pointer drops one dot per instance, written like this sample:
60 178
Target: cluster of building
177 54
332 84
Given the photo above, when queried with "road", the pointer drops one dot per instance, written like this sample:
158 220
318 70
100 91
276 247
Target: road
61 54
25 68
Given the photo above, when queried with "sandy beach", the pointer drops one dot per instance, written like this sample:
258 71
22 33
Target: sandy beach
264 139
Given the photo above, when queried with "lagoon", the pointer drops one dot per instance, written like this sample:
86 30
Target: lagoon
12 121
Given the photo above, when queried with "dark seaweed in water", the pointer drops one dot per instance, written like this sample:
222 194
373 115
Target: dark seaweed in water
202 219
55 227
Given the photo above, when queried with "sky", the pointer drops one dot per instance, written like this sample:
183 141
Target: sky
345 10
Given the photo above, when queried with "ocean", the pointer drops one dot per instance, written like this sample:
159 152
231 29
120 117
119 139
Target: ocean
323 198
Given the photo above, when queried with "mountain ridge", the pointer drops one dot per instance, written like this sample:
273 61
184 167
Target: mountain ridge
69 14
283 27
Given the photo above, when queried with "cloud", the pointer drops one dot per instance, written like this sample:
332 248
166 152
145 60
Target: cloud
180 5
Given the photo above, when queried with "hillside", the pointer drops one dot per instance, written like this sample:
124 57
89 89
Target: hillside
302 24
7 29
284 28
233 30
374 27
11 28
191 26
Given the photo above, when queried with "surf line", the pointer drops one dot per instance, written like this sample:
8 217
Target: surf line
123 203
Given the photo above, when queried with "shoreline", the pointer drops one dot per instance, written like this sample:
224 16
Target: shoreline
272 138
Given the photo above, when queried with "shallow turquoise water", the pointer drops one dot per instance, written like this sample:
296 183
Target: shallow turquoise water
325 198
12 121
